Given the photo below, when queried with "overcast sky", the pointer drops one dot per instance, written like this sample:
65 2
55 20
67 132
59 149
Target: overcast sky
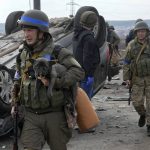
109 9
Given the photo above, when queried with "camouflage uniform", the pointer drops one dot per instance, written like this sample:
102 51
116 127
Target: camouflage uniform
45 117
114 40
139 74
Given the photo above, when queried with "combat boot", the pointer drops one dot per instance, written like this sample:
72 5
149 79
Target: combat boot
148 130
142 121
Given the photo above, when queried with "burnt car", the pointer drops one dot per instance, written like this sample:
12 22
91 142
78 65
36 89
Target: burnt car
62 31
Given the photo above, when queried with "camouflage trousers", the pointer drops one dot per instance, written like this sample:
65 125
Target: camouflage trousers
49 127
141 96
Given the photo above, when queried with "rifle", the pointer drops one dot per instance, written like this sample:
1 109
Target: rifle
16 96
130 91
15 145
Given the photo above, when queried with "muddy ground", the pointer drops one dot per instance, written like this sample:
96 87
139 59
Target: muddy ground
118 129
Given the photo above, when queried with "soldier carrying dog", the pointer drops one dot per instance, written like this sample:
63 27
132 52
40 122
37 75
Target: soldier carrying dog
45 118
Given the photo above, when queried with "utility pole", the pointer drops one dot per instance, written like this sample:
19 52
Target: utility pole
37 4
29 4
72 9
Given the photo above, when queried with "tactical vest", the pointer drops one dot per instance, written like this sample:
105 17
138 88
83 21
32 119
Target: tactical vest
142 68
43 103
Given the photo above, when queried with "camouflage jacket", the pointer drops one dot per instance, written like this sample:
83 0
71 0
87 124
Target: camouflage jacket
73 75
142 68
113 38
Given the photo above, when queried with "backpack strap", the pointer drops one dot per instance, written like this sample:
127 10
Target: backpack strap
137 59
141 50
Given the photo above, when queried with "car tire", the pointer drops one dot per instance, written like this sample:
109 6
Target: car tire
11 25
5 109
6 82
99 29
102 32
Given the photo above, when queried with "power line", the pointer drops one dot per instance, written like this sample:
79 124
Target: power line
72 7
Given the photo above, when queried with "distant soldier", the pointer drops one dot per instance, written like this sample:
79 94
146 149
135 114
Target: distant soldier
136 70
111 27
113 40
131 35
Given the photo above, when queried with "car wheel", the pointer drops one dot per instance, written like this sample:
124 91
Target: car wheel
11 24
6 82
99 29
5 109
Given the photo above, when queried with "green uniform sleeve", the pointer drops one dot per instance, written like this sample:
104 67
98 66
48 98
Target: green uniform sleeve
74 71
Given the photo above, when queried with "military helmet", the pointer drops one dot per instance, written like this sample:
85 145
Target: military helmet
138 20
88 19
111 27
141 25
35 18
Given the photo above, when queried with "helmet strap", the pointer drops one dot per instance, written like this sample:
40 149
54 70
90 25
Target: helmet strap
39 39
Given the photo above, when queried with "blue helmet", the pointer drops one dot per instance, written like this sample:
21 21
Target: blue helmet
36 19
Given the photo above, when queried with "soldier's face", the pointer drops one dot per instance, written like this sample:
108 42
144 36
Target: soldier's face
32 36
141 34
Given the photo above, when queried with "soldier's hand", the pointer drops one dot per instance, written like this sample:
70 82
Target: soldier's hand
13 111
44 80
128 82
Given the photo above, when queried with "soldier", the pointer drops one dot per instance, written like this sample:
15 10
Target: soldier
113 40
136 71
131 35
86 50
111 27
45 117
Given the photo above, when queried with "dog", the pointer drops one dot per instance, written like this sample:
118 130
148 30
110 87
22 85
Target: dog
49 70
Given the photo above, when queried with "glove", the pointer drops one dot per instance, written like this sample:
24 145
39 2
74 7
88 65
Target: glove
87 85
90 81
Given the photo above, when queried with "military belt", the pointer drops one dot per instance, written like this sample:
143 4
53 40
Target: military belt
45 111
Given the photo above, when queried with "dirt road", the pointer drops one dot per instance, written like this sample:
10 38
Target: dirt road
118 129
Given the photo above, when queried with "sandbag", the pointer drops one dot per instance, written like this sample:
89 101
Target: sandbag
86 116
